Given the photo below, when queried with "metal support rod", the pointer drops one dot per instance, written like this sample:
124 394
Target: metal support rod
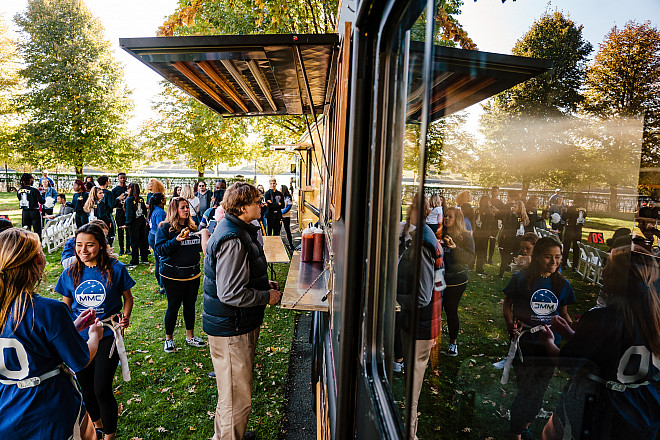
311 105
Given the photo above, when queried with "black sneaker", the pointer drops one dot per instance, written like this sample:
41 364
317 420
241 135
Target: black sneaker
99 433
250 435
526 435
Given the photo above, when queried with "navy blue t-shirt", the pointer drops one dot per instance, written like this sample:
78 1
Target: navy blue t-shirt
94 291
539 305
44 339
603 345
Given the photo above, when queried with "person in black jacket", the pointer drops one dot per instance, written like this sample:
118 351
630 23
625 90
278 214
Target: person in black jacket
458 247
204 195
136 220
29 199
178 247
119 194
484 228
511 233
78 203
236 291
574 219
275 204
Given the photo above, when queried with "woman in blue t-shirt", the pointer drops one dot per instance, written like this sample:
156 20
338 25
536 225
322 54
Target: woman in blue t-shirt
37 335
533 297
613 356
178 247
156 217
101 282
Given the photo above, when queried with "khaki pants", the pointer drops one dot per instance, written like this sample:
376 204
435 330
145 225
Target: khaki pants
422 354
233 357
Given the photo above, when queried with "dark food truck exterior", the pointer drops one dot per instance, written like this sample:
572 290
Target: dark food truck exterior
371 94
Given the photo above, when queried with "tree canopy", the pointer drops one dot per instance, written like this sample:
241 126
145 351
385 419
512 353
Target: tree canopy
76 103
188 130
557 38
624 81
525 126
9 86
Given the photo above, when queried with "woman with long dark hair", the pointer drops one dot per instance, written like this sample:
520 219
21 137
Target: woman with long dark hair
533 297
136 221
156 216
612 355
39 336
458 248
178 247
286 214
101 282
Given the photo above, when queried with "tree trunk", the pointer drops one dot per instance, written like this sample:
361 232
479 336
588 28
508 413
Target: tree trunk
525 188
614 196
79 171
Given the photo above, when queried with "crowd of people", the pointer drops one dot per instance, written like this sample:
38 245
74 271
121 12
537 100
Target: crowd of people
96 291
610 352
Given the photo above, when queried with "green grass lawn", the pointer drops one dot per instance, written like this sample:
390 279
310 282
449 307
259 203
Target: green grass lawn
170 394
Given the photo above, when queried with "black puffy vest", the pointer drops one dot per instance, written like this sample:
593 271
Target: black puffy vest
218 318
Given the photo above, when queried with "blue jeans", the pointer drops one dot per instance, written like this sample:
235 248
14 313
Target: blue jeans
152 244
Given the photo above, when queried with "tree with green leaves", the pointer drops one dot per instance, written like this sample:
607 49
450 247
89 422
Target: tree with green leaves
624 81
76 103
188 130
9 88
525 126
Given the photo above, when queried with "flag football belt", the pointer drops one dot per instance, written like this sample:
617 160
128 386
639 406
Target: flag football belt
614 385
513 348
118 344
32 381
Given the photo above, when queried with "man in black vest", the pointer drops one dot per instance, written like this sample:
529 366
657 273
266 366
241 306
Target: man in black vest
236 291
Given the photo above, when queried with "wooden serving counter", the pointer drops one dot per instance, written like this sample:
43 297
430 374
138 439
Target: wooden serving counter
306 286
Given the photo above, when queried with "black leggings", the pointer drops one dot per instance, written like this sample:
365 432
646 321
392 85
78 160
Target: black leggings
139 243
96 383
120 220
32 219
286 222
533 377
180 292
451 297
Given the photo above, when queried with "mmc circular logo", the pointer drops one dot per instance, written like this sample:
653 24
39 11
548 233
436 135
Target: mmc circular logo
90 293
543 302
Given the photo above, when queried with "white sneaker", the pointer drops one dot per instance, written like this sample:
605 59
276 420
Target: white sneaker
196 342
452 350
398 367
169 346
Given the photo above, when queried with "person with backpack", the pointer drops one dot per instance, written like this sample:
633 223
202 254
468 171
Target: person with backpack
136 220
29 199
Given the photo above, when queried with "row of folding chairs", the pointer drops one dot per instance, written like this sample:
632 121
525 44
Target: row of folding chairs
591 263
56 231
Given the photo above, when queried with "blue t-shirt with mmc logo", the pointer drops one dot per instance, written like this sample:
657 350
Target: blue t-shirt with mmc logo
95 292
538 305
